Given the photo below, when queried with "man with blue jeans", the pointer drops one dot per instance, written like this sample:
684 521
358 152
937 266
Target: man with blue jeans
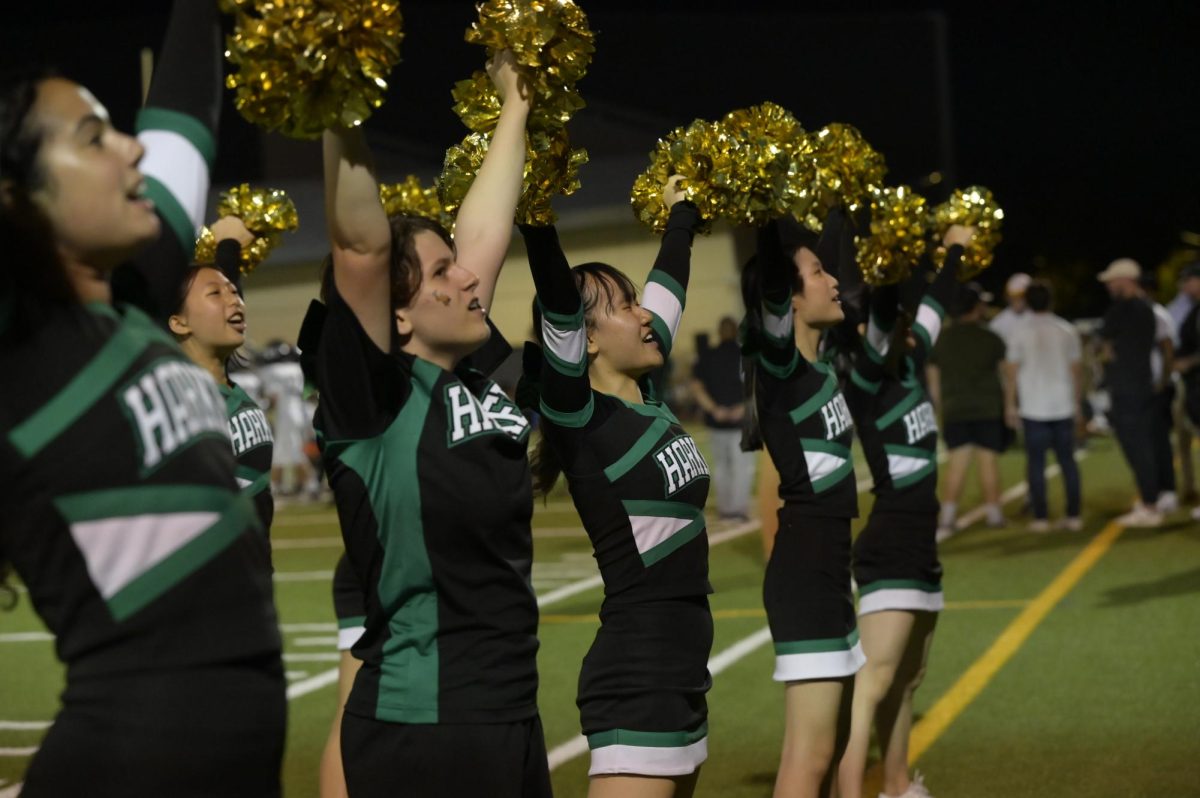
1042 394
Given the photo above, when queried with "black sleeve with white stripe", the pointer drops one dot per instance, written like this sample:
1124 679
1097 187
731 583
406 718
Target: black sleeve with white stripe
566 392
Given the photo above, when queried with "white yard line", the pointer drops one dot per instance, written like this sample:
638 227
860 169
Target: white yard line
323 656
302 576
28 750
307 627
26 637
329 642
322 679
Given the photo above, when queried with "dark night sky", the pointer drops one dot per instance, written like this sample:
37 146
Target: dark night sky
1084 121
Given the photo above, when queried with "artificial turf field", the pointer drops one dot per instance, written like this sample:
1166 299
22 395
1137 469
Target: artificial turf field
1065 664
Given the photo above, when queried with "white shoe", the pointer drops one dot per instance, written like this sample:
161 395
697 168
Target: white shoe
1141 516
1196 513
916 789
944 533
1073 524
1038 525
1168 502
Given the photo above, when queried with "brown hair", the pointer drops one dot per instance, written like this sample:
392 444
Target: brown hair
404 266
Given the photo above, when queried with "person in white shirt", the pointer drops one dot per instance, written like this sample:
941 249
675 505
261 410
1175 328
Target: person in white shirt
1042 396
1011 317
283 386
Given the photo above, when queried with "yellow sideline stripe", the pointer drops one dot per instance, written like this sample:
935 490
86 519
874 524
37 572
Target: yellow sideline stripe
968 687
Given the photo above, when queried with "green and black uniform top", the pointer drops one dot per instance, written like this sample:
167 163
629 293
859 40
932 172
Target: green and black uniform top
249 429
892 411
805 421
637 478
432 486
122 515
250 433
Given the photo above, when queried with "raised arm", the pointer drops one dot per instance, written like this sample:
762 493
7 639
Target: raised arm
360 237
665 295
178 128
778 354
484 226
566 392
868 370
932 310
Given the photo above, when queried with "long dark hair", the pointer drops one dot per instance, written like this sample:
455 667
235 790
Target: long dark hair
33 279
597 283
404 266
752 332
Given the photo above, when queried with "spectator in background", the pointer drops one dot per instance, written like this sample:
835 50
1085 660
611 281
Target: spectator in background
1128 331
1042 394
283 386
1011 317
1187 363
1162 371
717 387
964 377
1181 308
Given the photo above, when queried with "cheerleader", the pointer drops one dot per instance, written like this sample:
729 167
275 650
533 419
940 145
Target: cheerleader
123 517
427 461
896 566
802 416
640 484
209 322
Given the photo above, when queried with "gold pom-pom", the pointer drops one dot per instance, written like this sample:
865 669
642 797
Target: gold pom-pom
413 199
769 173
306 65
974 207
550 37
700 153
897 239
478 105
459 169
845 169
262 210
551 168
266 212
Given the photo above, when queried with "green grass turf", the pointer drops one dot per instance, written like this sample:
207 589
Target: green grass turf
1102 700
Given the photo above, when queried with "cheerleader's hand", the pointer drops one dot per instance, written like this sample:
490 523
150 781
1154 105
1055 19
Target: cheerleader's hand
958 234
507 78
672 193
232 227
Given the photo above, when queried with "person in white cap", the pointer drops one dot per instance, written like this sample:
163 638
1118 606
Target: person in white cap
1008 319
1129 334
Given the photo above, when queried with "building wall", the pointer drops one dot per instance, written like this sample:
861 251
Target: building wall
277 297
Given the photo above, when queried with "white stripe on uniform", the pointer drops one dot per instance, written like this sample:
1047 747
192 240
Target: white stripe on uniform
119 550
179 166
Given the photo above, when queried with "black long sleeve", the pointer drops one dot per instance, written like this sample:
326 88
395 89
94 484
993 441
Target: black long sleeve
229 260
566 391
665 295
178 129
